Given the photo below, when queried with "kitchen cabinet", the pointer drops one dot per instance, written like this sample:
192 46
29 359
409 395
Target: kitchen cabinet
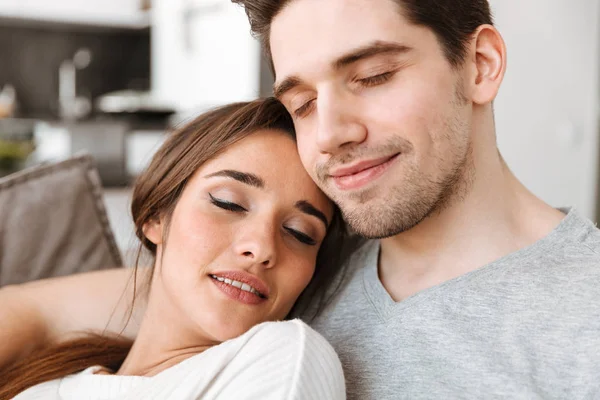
547 108
100 13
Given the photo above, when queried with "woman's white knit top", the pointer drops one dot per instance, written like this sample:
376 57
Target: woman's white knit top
273 360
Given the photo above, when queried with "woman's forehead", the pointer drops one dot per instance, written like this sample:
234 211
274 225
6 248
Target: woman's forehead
272 158
260 151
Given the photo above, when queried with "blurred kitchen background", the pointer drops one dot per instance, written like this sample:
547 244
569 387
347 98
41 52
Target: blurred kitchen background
113 76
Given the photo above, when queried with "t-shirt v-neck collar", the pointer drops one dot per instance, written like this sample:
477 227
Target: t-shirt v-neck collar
386 307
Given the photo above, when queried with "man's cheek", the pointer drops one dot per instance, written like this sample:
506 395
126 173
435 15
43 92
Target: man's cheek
307 157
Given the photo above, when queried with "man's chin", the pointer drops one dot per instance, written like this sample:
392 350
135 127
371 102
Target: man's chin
356 199
381 221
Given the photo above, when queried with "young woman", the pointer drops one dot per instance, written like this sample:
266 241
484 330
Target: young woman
237 229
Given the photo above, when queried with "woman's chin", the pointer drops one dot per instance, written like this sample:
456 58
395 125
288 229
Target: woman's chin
229 328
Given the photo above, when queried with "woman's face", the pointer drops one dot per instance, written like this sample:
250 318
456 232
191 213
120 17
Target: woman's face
243 238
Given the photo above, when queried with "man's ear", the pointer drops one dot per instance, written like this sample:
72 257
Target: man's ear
153 230
488 64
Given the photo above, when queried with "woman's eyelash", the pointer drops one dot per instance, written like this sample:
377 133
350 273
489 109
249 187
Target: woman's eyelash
302 237
226 205
229 206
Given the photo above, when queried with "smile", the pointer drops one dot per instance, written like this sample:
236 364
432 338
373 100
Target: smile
240 285
359 175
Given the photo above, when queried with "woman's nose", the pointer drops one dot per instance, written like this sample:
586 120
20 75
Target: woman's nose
257 245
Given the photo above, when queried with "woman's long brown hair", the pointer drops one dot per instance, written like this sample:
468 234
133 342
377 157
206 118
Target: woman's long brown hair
155 195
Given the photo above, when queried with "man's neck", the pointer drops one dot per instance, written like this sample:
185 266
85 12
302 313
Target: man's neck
497 217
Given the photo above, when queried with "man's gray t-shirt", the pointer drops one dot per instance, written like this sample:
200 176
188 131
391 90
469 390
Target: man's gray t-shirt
524 327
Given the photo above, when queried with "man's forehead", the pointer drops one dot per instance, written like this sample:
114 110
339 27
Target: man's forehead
309 35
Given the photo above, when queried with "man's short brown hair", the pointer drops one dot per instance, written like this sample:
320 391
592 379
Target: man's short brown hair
452 21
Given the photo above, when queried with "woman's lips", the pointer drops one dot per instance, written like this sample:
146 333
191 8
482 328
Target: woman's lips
361 174
241 286
240 295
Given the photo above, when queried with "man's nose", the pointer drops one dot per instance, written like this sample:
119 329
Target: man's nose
339 123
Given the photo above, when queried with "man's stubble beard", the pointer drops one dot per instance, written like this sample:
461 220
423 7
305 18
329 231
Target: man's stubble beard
377 213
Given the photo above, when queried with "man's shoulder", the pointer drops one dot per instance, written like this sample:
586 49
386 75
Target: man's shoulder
358 254
361 252
573 248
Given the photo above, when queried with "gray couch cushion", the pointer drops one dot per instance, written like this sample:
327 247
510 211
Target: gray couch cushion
53 222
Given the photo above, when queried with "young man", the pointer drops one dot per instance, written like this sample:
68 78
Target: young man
475 288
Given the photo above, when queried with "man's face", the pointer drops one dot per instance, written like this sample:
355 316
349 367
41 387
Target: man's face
383 124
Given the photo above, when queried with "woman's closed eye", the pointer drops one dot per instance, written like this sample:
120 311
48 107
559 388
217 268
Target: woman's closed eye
233 207
301 236
226 205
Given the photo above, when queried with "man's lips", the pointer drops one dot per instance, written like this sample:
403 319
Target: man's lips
359 166
359 174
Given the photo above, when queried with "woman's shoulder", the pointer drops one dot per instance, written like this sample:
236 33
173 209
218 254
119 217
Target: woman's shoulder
280 340
273 360
290 329
46 391
285 335
297 352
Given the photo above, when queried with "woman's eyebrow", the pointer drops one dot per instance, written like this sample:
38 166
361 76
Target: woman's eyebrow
309 209
255 181
243 177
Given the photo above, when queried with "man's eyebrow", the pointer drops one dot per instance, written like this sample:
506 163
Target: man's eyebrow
309 209
373 49
286 85
244 177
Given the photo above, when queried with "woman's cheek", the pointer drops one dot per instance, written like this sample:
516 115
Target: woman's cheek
306 272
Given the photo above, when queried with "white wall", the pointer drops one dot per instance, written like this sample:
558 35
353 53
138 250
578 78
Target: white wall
547 109
204 60
102 12
78 6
